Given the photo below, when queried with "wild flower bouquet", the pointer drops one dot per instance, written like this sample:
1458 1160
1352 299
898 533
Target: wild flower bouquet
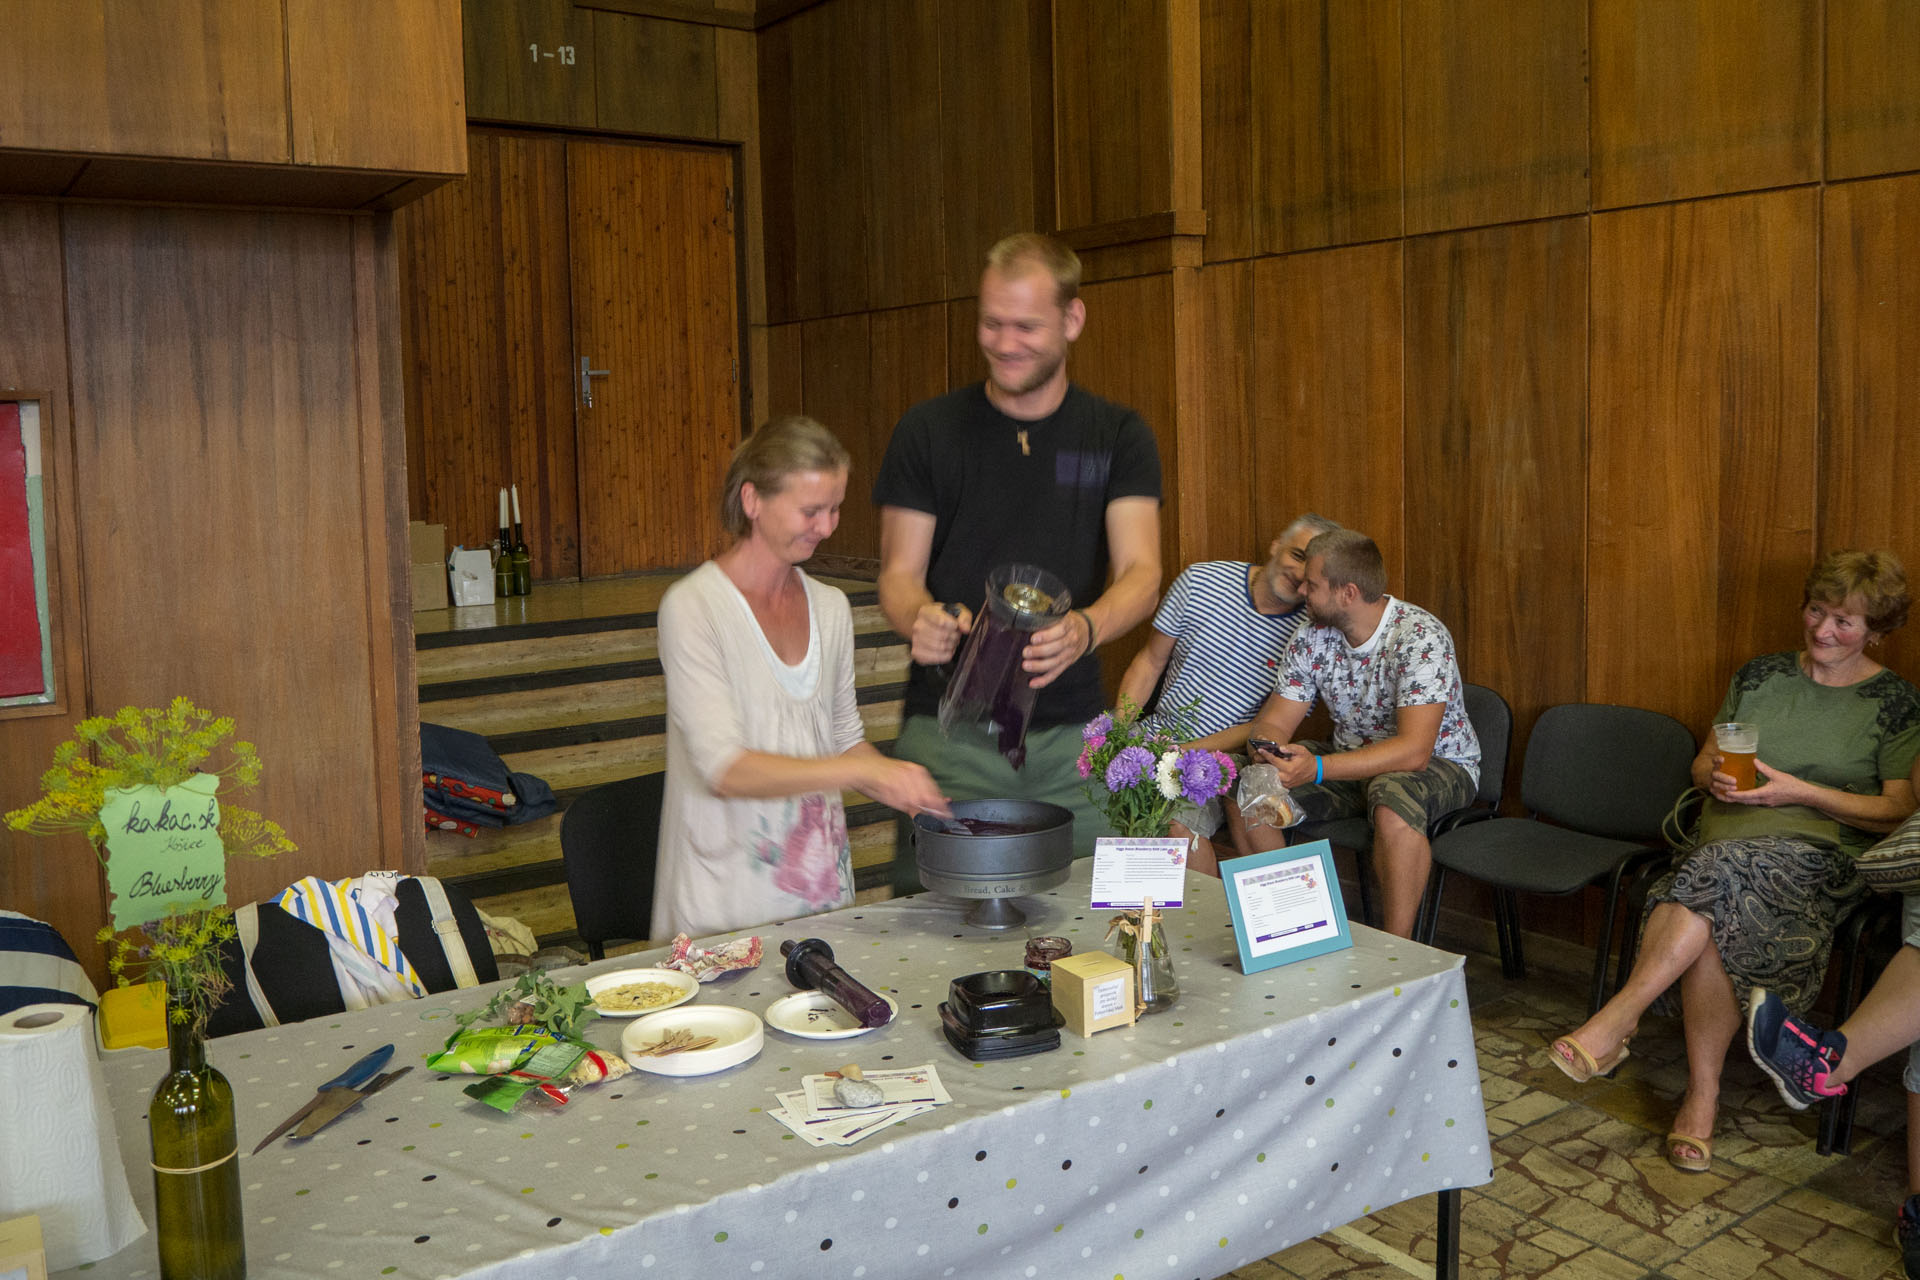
1137 775
151 746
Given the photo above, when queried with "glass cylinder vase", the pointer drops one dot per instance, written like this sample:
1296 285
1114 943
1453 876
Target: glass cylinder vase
196 1163
1153 981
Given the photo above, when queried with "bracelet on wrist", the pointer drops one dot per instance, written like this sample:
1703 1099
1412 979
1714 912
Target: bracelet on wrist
1092 635
1319 769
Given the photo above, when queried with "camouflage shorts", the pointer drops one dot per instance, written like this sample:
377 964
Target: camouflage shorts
1417 797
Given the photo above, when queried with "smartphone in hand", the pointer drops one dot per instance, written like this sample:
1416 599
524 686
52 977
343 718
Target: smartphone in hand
1267 745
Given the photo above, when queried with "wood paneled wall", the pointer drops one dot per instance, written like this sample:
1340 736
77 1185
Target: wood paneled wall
231 462
1596 313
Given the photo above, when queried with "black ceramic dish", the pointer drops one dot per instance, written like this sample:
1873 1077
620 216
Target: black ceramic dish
1001 1002
985 1048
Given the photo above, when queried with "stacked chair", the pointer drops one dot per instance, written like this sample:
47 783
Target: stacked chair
608 839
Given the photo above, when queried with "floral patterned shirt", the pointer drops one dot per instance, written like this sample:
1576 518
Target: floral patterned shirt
1407 662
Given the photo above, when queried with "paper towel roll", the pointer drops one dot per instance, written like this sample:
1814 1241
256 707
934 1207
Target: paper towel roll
61 1159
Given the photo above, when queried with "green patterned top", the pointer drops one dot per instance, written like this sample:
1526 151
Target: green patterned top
1853 737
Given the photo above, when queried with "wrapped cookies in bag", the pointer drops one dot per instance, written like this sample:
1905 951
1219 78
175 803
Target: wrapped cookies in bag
1264 800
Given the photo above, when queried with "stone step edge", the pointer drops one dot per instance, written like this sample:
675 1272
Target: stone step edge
569 626
575 735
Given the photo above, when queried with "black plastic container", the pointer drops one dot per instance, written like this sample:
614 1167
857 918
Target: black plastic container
1002 1013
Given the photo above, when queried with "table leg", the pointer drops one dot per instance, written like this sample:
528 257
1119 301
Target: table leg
1446 1262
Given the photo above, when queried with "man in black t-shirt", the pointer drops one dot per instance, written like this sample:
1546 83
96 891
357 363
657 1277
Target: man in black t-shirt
1023 468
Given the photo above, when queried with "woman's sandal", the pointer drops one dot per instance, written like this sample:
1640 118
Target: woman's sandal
1580 1066
1701 1163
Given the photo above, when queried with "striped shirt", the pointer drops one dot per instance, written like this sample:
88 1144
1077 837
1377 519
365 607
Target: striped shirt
1225 652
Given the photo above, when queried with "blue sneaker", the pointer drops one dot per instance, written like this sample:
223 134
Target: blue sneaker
1906 1233
1798 1055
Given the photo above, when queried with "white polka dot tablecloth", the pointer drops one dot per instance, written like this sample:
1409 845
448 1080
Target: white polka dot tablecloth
1260 1111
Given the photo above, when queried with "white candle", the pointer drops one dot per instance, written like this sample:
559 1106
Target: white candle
516 504
503 506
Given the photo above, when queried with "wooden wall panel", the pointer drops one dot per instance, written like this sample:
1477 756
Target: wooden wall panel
1114 104
908 364
654 76
906 238
489 349
1702 480
782 392
1327 391
377 85
201 79
1496 454
996 153
216 406
1703 97
779 237
1227 179
1869 395
55 879
1873 111
508 83
1496 111
965 364
828 141
1223 514
1326 123
836 369
654 303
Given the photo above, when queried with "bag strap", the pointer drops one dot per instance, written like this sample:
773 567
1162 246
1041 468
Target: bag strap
1681 826
246 924
447 926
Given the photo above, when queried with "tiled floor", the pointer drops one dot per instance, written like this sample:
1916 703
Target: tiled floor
1581 1188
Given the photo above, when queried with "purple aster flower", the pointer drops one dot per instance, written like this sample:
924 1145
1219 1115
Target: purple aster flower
1097 730
1199 776
1129 766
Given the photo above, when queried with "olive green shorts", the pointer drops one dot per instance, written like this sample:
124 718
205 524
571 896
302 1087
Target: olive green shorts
1419 797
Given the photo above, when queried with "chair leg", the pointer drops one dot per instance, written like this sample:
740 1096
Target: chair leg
1428 922
1836 1114
1362 868
1513 956
596 950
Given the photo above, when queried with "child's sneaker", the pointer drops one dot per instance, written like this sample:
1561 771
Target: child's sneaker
1799 1056
1906 1233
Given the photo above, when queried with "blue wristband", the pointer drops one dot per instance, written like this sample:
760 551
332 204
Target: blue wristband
1319 769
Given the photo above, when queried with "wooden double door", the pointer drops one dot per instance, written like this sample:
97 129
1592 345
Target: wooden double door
572 325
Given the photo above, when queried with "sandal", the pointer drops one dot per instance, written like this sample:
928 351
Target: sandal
1580 1066
1701 1163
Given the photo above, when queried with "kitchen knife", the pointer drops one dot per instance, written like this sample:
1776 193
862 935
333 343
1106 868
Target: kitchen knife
342 1101
352 1078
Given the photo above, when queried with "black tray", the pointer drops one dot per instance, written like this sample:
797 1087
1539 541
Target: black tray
986 1048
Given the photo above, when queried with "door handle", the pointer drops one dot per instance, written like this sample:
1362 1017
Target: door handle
587 374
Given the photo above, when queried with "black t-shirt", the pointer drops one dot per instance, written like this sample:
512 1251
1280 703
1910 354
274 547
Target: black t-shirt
959 459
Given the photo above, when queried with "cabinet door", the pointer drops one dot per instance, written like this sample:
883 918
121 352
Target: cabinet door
654 305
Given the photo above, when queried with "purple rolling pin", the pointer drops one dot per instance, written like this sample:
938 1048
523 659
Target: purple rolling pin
810 966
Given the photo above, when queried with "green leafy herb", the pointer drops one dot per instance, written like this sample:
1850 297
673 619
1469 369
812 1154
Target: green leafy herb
536 998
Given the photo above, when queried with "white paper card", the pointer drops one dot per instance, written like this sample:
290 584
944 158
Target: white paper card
1109 996
1286 905
1129 869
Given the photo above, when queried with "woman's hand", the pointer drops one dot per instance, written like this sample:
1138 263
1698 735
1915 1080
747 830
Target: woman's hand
1777 787
903 785
937 629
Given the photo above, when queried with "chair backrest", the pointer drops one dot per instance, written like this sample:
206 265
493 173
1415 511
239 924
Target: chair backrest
1606 770
1492 721
608 838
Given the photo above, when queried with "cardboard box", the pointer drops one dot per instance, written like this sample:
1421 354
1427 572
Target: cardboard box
429 585
21 1250
1093 991
133 1018
428 543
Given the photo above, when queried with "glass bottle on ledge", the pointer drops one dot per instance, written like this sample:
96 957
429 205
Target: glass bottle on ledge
196 1163
522 558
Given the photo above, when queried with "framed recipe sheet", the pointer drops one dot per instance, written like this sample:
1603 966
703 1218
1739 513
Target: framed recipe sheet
1286 905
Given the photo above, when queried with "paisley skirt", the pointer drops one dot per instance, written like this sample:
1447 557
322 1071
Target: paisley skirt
1773 903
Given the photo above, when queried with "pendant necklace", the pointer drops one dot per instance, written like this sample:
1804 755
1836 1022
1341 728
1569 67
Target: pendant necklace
1021 436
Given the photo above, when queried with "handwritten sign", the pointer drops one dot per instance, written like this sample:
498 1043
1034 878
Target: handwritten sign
163 850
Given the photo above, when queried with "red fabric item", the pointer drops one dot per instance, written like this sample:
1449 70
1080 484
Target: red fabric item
20 671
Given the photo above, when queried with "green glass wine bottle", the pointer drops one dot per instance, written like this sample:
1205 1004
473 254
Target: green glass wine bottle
522 558
196 1164
503 554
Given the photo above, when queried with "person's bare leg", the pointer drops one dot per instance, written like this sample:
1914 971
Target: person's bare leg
1710 1018
1236 827
1673 941
1403 859
1887 1021
1199 849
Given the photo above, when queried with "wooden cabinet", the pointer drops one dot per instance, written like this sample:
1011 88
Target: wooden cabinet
288 102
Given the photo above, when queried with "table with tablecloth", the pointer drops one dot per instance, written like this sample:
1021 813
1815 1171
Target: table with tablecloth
1261 1110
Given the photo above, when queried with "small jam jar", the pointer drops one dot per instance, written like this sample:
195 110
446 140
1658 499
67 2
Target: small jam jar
1042 952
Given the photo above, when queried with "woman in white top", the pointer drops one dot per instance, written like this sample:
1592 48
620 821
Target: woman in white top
763 732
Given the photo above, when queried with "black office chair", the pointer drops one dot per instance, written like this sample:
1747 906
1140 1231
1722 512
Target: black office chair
1596 783
609 838
1492 721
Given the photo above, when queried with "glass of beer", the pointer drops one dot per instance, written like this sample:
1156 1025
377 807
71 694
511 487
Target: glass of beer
1738 743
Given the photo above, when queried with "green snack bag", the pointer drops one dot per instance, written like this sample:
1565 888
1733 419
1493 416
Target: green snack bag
490 1051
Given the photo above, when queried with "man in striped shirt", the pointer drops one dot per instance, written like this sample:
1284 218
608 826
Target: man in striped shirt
1217 641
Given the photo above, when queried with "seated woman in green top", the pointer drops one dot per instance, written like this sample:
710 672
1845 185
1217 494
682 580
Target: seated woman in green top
1756 904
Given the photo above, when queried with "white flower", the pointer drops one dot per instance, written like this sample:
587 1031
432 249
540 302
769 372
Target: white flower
1167 774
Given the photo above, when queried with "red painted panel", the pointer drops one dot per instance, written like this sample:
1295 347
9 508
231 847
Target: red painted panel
20 670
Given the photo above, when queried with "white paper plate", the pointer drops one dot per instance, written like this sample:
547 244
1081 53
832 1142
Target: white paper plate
737 1038
814 1015
688 986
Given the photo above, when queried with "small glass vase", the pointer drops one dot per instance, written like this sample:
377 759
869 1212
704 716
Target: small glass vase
1153 981
196 1163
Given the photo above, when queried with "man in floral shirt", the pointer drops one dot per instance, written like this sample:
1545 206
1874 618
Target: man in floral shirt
1403 752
